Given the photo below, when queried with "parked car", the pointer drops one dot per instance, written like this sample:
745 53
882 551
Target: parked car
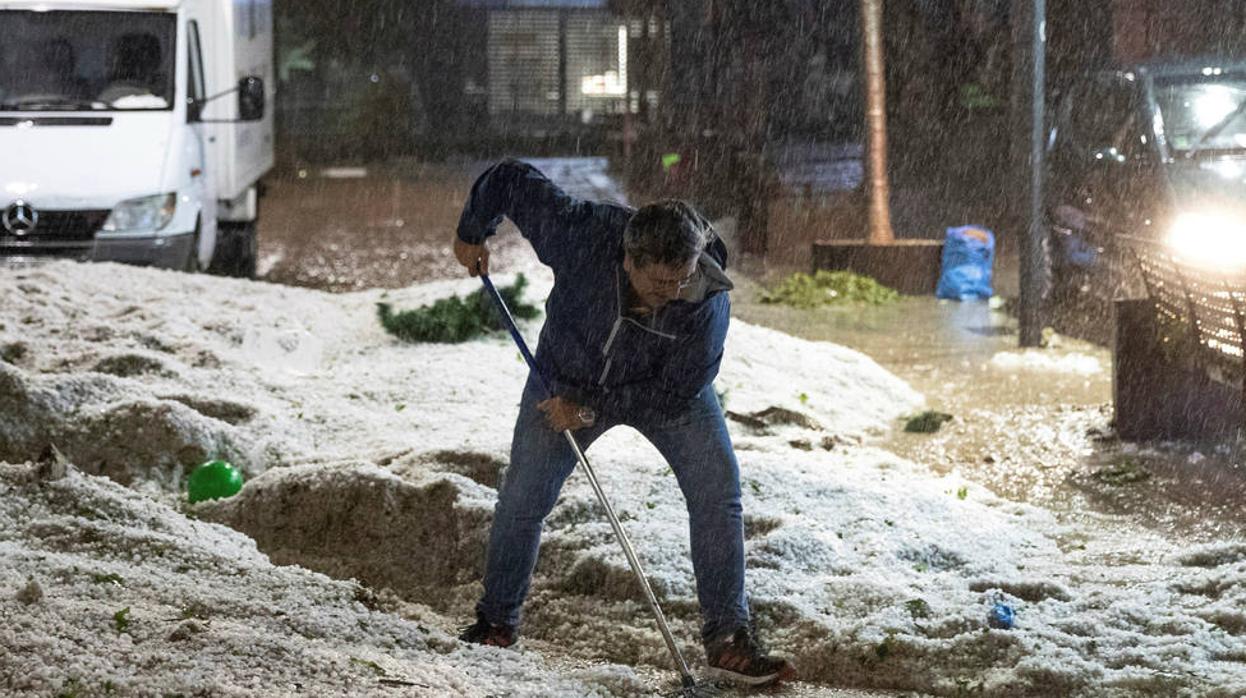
1156 151
135 130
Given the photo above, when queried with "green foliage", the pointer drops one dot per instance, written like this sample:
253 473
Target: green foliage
196 610
74 688
370 664
121 619
969 687
452 320
1125 472
927 422
962 493
826 287
917 608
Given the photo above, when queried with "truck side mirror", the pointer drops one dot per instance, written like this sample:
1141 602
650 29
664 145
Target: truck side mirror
250 98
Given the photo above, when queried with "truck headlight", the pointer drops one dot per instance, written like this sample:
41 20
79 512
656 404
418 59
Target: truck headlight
144 213
1212 240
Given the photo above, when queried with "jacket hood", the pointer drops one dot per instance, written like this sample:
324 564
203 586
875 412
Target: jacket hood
709 279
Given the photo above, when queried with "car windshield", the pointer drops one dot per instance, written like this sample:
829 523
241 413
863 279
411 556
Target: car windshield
77 61
1203 115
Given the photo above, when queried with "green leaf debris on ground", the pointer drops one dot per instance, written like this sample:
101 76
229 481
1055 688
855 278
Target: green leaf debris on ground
121 619
927 422
1126 472
454 319
370 664
110 578
824 287
918 608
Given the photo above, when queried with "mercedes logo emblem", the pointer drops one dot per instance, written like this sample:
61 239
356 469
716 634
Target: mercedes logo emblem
20 218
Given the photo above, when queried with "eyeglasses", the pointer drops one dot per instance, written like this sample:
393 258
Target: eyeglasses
668 284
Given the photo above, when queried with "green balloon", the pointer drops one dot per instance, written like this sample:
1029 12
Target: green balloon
215 479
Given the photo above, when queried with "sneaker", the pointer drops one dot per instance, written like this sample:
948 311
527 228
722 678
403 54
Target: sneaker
740 658
482 632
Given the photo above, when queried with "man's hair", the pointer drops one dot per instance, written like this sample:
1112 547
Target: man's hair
667 232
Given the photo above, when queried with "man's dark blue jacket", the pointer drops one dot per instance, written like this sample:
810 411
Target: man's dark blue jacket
591 350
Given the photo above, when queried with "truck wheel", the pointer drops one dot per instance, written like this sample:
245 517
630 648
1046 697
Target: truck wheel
236 250
247 244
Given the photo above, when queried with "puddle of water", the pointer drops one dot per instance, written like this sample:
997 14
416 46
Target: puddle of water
1032 427
945 349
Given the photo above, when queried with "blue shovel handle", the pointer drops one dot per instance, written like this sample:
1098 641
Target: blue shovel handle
514 330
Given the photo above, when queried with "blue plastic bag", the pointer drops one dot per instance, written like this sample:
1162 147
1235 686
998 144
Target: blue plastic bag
1001 617
968 258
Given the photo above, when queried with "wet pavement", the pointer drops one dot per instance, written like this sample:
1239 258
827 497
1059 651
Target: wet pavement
347 228
1033 427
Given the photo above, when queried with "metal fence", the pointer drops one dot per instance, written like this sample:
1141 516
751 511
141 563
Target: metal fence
1200 310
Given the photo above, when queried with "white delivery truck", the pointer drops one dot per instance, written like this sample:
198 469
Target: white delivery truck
135 130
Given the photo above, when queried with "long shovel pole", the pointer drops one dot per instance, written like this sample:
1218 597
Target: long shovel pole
686 676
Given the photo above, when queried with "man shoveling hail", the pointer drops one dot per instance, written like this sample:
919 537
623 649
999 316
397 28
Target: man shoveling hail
633 336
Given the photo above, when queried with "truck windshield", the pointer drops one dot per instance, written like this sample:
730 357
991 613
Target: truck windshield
1203 115
78 61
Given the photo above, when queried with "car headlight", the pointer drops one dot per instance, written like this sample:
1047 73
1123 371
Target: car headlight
1212 240
144 213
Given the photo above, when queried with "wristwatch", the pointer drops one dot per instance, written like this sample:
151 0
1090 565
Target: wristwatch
587 416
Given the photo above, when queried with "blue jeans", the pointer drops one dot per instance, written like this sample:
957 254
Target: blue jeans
696 445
